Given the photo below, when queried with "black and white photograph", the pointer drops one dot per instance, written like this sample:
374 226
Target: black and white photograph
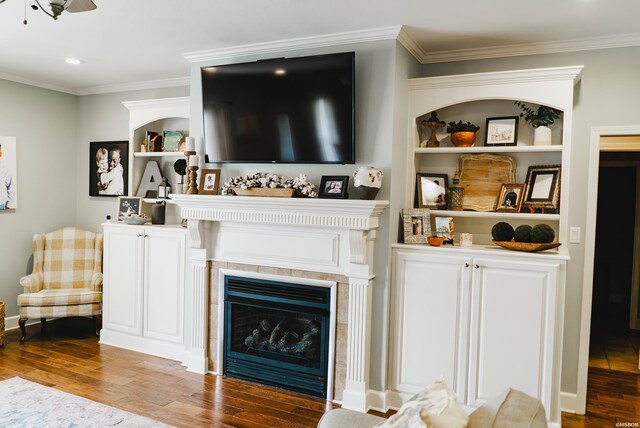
128 206
334 186
108 168
432 190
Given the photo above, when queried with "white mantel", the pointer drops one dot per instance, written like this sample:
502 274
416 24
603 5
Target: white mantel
321 235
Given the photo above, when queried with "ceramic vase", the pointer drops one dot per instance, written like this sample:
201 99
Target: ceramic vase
367 181
542 136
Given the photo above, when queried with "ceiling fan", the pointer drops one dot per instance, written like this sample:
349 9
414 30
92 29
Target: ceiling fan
54 8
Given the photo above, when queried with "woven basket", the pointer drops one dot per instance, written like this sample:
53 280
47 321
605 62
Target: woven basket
1 323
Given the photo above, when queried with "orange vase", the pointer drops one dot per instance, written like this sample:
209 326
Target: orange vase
463 139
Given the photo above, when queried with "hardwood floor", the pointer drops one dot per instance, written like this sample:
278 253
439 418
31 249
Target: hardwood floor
69 358
615 350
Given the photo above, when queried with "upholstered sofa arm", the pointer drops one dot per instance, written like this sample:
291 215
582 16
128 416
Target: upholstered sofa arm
96 281
32 283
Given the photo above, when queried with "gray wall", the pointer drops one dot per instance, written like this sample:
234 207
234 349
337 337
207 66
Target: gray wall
607 95
44 124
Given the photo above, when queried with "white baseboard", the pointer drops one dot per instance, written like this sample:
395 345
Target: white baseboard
11 323
377 400
568 402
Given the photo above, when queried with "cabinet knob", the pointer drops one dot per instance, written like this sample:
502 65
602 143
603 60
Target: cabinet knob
466 265
477 266
139 235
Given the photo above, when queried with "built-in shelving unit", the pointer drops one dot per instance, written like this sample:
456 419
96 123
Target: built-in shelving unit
474 98
166 114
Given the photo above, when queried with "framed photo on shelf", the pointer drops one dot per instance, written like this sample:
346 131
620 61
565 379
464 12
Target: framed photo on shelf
209 182
334 186
171 140
108 168
445 228
543 187
510 198
128 205
502 131
432 190
416 225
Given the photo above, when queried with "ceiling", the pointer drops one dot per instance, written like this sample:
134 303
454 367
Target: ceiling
125 41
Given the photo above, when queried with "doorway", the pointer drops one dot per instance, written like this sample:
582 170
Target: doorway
615 338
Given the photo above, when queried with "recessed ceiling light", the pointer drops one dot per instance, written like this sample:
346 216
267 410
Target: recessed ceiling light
280 71
73 61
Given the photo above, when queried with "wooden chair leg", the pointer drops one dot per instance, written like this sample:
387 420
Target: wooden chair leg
43 326
23 329
97 324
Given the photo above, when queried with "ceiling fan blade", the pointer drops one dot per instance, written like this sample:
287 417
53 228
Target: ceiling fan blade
81 6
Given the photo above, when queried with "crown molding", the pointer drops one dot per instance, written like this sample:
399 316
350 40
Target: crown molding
501 77
410 44
335 39
37 83
134 86
573 45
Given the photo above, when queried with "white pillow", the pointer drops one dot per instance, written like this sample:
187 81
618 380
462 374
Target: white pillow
435 407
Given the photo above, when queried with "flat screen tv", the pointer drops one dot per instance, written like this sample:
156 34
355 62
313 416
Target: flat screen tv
294 110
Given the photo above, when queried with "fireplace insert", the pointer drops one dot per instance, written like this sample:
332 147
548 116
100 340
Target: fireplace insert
277 333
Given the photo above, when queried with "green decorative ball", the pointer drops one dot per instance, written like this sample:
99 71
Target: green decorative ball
523 233
502 231
542 234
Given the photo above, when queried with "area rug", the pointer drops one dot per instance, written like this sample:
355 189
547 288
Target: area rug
28 404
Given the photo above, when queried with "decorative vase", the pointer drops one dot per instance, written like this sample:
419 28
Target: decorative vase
367 181
463 138
178 185
542 136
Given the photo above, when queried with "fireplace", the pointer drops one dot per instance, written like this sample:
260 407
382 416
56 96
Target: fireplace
278 333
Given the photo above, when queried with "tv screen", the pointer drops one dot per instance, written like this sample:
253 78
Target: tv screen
296 110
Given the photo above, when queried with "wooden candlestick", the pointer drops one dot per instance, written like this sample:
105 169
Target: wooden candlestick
193 180
185 185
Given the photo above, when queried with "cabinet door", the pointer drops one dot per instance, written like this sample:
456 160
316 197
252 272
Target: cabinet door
164 284
513 329
122 290
430 306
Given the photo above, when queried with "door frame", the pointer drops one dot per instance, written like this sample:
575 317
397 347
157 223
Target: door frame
597 132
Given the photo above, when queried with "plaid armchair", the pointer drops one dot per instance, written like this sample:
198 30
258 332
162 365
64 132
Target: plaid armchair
66 279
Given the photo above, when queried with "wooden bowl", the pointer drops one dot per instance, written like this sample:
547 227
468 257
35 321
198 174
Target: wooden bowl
463 138
526 246
435 241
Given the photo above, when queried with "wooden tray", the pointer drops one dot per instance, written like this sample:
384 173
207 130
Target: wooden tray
526 246
482 176
264 191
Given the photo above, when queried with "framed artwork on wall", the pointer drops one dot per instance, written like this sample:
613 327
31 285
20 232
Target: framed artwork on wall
108 168
8 174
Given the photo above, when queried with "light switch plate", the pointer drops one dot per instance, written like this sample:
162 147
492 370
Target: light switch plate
574 235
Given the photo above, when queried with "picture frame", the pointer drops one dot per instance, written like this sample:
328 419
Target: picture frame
445 228
171 140
209 181
9 173
543 187
108 168
432 190
128 205
334 187
416 225
510 198
501 131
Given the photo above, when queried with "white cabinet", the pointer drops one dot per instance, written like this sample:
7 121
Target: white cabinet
484 320
144 269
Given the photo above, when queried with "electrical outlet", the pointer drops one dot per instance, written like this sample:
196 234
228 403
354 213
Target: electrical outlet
574 235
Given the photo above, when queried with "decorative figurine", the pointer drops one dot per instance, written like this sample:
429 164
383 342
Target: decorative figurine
433 123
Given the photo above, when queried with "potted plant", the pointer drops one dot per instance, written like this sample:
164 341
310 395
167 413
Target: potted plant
539 119
180 167
463 134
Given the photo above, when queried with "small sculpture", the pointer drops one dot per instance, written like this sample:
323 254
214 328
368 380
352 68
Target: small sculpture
433 123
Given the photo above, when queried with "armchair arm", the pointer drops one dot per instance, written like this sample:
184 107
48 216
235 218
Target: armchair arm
96 281
32 283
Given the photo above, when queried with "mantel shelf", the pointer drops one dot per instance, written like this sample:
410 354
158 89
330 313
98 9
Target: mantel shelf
336 213
485 149
492 214
157 154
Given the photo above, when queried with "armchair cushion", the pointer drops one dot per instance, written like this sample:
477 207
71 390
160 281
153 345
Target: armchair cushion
31 312
60 297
